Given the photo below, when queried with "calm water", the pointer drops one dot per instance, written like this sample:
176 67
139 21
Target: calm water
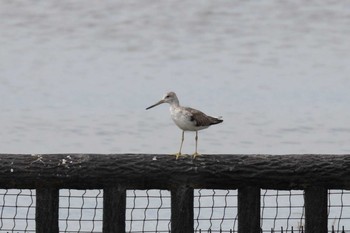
77 76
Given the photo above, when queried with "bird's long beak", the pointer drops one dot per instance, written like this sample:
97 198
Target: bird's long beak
156 104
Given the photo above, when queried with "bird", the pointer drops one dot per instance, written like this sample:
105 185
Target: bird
186 118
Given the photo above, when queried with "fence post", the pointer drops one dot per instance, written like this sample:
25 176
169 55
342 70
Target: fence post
248 210
46 212
182 210
316 219
114 207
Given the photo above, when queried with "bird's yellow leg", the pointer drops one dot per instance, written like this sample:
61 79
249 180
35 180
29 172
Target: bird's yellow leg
182 141
196 153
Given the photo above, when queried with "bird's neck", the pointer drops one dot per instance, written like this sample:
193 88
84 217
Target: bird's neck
173 106
175 103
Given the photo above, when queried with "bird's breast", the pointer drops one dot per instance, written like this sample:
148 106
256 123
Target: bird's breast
184 120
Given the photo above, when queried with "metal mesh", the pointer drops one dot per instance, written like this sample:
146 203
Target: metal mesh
282 210
80 210
150 210
215 210
339 210
17 210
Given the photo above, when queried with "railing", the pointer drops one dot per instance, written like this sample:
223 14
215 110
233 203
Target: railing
115 174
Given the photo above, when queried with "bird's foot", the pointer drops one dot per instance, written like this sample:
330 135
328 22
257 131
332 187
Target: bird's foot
177 155
195 154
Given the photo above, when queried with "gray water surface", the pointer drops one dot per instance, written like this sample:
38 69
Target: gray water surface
77 76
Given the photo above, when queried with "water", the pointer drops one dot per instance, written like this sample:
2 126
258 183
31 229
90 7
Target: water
76 76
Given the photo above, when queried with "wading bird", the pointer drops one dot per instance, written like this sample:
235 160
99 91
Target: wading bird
187 119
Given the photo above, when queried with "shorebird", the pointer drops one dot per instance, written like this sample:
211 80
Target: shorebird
187 119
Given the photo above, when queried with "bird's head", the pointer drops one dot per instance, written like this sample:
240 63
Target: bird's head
169 98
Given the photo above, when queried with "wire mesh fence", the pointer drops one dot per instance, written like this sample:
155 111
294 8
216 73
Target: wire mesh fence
215 210
80 210
150 211
17 210
282 210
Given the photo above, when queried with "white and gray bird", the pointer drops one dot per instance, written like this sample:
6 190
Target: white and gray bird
187 119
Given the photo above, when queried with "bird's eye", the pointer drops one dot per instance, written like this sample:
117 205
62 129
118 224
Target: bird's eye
166 96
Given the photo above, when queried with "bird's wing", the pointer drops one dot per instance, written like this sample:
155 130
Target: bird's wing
200 118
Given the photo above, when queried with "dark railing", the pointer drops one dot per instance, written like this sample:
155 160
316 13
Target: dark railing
116 173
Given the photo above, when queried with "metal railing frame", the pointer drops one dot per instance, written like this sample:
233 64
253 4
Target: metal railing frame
115 173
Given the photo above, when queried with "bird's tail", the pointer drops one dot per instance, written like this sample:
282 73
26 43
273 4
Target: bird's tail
215 120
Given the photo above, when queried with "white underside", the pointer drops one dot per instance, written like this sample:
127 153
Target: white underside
182 119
